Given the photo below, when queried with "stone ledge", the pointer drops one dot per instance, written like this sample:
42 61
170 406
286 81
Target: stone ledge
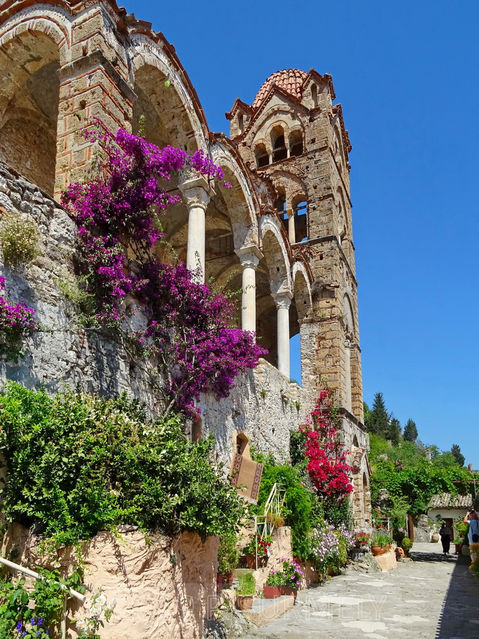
265 610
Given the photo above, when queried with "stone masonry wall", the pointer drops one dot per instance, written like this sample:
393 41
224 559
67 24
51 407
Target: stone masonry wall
160 587
263 404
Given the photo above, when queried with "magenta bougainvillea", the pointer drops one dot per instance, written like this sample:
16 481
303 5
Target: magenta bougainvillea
188 330
17 321
327 467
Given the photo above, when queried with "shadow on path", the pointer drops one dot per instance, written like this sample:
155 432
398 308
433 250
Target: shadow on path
459 616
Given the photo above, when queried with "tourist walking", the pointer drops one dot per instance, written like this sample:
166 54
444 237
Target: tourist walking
446 534
472 518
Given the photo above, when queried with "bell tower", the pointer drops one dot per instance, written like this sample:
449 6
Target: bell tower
294 137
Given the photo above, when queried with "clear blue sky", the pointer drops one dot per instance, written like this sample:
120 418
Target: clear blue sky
407 76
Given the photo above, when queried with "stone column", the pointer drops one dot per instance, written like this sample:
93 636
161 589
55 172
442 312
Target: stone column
283 302
249 257
291 226
196 193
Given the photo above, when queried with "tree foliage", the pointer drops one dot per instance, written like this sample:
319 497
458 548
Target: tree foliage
458 456
410 431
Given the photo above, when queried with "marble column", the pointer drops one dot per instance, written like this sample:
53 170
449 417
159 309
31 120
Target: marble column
196 194
283 302
249 257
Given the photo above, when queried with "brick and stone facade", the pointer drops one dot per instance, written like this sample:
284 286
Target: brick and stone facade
282 234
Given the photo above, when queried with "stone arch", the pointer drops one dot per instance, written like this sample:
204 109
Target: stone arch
29 98
171 109
276 255
301 291
273 277
239 198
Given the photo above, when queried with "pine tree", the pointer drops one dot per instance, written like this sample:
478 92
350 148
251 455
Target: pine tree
458 456
379 418
410 431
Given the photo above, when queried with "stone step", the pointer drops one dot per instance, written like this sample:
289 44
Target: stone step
265 610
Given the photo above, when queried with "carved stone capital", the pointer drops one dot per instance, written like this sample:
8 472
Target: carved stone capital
249 256
196 192
282 299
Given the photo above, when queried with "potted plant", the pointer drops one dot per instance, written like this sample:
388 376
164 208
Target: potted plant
284 581
406 545
381 541
361 538
457 541
258 547
276 519
228 556
245 591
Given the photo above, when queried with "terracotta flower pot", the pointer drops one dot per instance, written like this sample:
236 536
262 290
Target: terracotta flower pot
244 602
226 578
271 592
378 550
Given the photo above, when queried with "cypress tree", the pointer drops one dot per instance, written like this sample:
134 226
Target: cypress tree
410 431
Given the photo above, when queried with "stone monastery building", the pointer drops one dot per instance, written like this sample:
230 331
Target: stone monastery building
282 234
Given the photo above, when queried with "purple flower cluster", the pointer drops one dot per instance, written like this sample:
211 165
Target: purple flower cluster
34 628
325 546
16 322
118 214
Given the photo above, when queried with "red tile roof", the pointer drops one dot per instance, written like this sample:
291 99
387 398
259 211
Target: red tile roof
290 80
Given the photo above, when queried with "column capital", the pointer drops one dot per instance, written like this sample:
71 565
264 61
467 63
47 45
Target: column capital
196 191
282 299
249 256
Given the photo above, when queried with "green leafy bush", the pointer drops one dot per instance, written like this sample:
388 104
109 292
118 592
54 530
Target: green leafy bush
19 240
246 584
79 464
406 544
228 554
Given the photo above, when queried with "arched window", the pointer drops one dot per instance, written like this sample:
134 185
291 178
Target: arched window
296 143
241 122
314 95
279 145
261 155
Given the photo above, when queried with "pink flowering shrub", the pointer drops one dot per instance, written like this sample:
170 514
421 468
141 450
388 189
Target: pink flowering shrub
327 468
16 322
188 333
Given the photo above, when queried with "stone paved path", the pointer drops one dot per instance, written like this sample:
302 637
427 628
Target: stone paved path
427 598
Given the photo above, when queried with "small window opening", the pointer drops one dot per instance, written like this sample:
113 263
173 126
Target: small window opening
314 95
296 143
241 123
241 442
261 155
301 214
279 149
196 431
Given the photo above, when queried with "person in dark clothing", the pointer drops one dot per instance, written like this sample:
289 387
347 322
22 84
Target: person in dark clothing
446 535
